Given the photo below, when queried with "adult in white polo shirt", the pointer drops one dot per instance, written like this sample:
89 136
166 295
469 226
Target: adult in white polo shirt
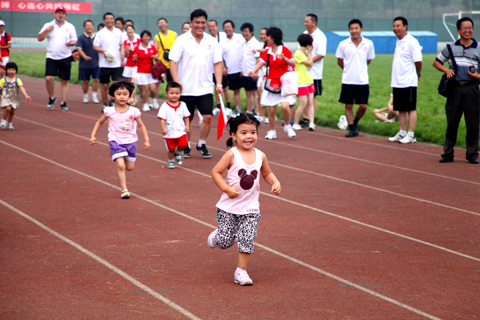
232 55
60 35
249 61
353 56
194 57
406 71
109 41
319 52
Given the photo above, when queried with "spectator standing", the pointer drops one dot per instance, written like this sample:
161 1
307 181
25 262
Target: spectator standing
109 44
144 54
318 53
129 45
120 25
465 98
193 58
185 27
220 36
5 45
163 41
250 59
60 35
406 71
88 63
262 111
233 55
353 56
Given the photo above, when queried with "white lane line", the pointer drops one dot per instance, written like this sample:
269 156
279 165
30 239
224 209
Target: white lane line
107 264
325 273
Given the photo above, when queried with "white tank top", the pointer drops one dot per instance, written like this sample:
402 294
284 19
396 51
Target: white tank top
246 179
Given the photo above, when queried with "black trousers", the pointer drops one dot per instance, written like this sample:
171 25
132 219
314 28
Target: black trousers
464 100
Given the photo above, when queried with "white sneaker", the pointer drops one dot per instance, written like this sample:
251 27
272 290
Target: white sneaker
3 124
408 139
271 134
296 127
171 164
95 99
155 104
211 239
266 120
242 278
395 138
311 126
10 127
290 132
85 99
146 107
216 111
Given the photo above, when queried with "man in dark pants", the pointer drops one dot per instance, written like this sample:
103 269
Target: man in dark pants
466 94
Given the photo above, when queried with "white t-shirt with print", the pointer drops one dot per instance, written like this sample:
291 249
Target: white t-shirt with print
249 58
57 39
233 53
174 117
112 42
407 52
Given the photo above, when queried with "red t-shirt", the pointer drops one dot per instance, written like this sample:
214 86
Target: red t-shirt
4 42
144 60
277 67
129 54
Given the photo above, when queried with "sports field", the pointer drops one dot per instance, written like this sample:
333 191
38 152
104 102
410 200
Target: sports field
431 123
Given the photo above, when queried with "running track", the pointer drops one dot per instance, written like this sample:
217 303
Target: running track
363 229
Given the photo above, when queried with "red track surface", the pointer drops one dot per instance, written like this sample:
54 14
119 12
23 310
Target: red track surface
363 229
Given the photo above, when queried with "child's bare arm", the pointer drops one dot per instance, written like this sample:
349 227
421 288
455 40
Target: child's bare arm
97 127
162 127
217 171
143 130
24 92
269 177
187 124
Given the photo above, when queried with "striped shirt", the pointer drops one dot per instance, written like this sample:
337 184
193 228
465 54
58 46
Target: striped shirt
464 57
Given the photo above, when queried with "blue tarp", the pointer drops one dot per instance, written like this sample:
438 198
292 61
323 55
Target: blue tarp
384 41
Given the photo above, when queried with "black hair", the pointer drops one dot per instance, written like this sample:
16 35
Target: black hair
305 40
145 32
121 20
121 85
276 34
162 19
229 21
238 119
128 20
108 14
188 22
313 17
11 65
130 26
88 21
198 13
173 84
460 21
213 20
247 25
404 21
100 25
265 44
355 21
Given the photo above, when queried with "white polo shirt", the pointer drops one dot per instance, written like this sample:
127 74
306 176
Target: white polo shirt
112 42
233 53
319 49
355 68
56 39
195 62
407 52
249 58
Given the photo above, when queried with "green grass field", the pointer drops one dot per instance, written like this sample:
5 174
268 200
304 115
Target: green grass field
431 122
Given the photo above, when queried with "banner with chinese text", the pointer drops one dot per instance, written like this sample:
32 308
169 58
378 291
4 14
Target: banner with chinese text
46 6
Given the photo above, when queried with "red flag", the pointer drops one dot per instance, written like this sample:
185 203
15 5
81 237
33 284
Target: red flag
222 118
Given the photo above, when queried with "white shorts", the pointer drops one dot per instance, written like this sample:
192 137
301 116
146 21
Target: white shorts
129 72
144 79
4 62
272 99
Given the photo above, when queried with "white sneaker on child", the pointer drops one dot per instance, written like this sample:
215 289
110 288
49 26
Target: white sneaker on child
211 239
242 278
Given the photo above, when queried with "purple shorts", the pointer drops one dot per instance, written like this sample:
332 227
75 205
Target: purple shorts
129 151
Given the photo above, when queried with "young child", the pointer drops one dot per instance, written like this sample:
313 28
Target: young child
122 131
386 114
174 121
11 85
238 211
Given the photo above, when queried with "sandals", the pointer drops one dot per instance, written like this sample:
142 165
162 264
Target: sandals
125 194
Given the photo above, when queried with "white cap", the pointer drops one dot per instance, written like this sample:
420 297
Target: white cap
2 23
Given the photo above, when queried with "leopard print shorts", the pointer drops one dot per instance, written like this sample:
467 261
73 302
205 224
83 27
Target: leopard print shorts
243 228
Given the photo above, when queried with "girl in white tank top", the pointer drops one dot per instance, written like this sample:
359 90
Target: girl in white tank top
238 211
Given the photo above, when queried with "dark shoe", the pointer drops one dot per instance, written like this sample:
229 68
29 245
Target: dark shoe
473 160
63 106
186 152
304 123
350 134
51 102
203 150
445 160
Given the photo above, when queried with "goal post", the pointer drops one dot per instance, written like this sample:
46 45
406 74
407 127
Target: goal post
457 15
